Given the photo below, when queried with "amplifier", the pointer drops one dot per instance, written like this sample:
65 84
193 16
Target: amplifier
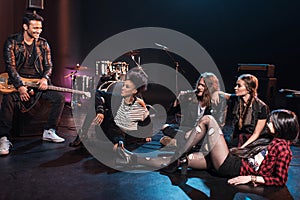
258 70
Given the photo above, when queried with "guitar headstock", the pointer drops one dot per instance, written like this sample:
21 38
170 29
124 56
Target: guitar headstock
88 94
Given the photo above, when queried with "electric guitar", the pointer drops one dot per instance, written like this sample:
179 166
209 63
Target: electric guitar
6 88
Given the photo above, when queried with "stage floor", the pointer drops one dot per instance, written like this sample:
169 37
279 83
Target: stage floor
41 170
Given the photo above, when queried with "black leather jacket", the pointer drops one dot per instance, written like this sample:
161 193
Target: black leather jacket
14 57
188 107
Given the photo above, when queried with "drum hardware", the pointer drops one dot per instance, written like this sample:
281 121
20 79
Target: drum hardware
103 67
165 48
138 63
112 87
110 70
71 74
80 82
78 67
132 53
83 83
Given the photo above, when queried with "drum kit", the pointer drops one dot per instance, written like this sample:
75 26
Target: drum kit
111 74
111 71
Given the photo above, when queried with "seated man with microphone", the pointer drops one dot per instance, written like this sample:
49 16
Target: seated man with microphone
190 106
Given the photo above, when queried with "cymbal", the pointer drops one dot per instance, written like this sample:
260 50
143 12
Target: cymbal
120 63
77 67
132 53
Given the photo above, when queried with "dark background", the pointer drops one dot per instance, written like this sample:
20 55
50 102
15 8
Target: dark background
232 32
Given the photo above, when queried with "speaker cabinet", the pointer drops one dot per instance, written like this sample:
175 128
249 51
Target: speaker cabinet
266 80
267 90
258 70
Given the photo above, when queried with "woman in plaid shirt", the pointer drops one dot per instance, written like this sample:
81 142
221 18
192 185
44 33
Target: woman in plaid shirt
269 166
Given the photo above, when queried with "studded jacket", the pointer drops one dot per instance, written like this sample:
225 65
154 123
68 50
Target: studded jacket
15 57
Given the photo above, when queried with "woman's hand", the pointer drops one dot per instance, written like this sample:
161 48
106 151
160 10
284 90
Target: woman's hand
239 180
99 119
215 99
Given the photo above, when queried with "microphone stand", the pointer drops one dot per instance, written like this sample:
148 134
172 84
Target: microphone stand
176 68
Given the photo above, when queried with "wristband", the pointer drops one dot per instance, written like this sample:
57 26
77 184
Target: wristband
253 179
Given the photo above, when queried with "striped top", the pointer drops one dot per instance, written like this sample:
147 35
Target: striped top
127 116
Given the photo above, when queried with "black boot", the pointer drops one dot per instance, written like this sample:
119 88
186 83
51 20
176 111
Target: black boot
172 167
124 157
76 143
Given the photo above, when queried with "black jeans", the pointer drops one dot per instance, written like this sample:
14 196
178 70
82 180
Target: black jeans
10 104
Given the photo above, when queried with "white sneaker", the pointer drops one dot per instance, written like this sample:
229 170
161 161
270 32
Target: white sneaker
50 135
5 145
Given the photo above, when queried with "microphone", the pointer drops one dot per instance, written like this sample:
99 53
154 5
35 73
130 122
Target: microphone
162 46
288 90
187 92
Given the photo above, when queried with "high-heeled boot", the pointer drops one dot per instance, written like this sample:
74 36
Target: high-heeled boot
76 143
182 163
124 157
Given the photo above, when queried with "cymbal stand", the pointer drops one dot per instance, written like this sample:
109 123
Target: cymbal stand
74 100
138 63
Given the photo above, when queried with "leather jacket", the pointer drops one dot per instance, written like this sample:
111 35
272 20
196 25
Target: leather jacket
189 108
15 57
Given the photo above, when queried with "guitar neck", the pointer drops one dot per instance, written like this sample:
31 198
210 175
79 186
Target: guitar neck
61 89
51 87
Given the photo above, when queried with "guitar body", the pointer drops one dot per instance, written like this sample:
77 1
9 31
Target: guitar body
6 88
32 85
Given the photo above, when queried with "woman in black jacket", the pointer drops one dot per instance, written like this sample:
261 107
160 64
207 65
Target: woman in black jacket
191 106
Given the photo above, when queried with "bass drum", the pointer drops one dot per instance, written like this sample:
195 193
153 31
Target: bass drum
83 83
114 87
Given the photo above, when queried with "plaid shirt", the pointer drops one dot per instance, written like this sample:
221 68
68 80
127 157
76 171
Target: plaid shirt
274 167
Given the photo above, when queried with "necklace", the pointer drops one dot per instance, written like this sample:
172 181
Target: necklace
29 49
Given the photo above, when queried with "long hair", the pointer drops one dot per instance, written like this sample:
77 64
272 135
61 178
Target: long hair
251 84
285 123
211 85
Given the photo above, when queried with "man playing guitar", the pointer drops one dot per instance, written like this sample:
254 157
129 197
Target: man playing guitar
28 55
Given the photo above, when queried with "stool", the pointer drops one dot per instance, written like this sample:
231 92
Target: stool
32 122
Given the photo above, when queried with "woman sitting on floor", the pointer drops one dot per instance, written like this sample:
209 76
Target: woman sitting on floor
266 163
125 117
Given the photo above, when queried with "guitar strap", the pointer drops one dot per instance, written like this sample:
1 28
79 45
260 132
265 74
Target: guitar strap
25 106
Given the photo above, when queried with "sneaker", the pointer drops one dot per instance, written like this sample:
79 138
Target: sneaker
5 145
168 141
50 135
